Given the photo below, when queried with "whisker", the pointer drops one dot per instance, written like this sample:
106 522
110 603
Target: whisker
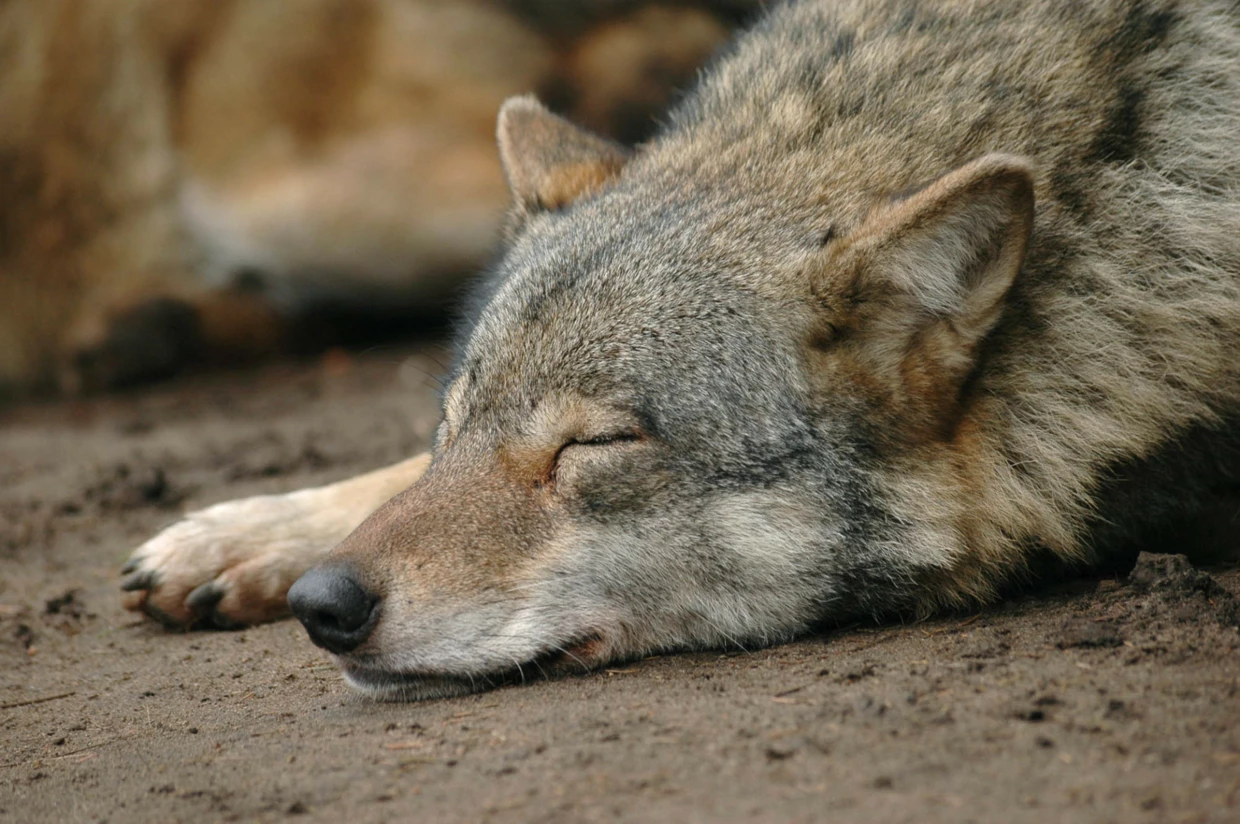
563 651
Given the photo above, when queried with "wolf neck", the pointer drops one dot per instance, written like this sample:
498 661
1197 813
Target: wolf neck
832 104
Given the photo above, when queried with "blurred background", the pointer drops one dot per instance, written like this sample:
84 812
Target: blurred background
186 184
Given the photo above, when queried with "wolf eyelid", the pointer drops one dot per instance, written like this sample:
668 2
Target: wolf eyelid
604 440
599 440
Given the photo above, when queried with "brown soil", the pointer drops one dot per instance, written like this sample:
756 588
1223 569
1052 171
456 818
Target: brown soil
1106 699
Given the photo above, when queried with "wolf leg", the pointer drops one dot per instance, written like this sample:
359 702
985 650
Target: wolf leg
232 564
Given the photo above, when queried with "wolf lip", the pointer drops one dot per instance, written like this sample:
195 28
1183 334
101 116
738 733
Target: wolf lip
576 657
413 686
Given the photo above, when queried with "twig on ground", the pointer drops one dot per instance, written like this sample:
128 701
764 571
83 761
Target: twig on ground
15 704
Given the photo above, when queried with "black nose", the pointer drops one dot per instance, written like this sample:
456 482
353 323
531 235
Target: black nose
335 609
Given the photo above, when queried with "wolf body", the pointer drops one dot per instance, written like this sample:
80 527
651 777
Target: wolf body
191 180
908 302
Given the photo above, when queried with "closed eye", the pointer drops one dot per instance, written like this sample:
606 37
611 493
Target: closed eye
595 442
605 440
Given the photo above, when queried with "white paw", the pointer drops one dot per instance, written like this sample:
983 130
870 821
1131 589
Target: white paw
232 564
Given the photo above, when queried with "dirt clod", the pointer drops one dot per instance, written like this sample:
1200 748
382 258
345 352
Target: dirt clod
123 486
1181 591
67 603
24 636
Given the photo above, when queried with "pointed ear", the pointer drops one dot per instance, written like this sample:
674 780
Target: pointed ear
548 161
950 251
918 285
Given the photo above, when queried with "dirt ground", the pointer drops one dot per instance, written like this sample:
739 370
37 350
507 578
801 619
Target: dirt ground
1102 700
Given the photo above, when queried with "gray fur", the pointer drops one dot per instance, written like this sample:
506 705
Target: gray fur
684 297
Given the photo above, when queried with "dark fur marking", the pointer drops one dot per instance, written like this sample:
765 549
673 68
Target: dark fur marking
1070 190
1119 139
869 584
905 21
843 44
1143 31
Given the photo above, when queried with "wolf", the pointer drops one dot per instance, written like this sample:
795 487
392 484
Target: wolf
907 303
204 180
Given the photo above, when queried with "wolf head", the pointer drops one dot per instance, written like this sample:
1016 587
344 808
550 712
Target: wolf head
671 423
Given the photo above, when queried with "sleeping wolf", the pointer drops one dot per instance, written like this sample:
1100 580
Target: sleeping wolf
907 302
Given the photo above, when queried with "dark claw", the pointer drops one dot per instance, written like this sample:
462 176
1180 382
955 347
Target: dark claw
161 616
139 580
130 566
205 597
203 600
223 622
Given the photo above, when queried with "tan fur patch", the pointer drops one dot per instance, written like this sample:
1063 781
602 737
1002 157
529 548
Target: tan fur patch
573 181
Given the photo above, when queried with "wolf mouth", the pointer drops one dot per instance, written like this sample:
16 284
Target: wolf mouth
574 658
387 685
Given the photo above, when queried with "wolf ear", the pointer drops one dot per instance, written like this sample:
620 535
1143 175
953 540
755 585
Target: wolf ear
923 280
950 251
548 161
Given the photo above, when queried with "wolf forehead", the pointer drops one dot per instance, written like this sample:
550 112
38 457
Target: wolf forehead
597 298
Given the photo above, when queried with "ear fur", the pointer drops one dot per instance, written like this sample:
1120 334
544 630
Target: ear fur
950 251
923 279
548 161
